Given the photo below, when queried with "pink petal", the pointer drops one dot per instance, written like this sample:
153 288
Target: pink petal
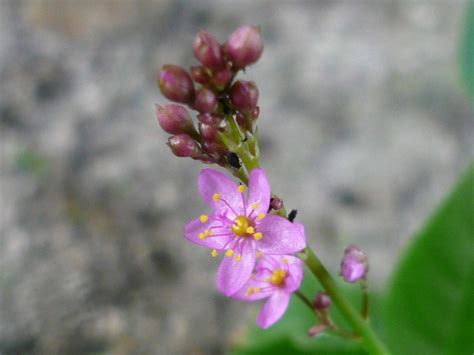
273 309
211 182
280 236
244 294
195 227
295 271
259 190
233 274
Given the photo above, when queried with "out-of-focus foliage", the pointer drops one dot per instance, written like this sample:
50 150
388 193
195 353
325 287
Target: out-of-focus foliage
430 307
467 50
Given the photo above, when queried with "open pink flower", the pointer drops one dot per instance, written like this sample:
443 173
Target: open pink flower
275 278
239 226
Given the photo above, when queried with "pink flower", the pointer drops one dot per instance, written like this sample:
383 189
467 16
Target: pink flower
274 278
239 226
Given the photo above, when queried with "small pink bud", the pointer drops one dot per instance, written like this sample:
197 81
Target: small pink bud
174 119
276 203
255 113
354 264
176 84
317 329
245 46
322 301
205 101
209 119
221 78
215 150
244 95
182 145
207 50
208 133
199 74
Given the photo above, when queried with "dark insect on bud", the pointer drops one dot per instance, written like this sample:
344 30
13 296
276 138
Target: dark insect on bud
292 215
234 160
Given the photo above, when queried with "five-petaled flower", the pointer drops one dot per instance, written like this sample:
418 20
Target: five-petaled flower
275 278
240 226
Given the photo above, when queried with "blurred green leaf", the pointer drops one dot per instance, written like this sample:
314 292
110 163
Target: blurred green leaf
31 162
430 306
467 50
289 335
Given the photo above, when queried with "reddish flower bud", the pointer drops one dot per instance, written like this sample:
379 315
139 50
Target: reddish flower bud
205 101
182 145
207 50
276 203
354 264
215 150
176 84
317 329
208 133
221 78
174 119
245 46
199 74
322 301
242 121
244 95
211 120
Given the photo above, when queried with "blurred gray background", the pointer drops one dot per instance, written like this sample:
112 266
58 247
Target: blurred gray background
364 128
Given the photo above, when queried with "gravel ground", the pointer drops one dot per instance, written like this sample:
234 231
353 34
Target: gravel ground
364 128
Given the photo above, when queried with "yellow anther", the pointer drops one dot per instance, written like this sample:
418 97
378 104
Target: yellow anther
258 236
202 236
250 230
203 218
241 188
229 252
238 257
256 289
214 253
207 232
277 278
254 205
261 216
285 260
249 291
216 197
241 223
258 254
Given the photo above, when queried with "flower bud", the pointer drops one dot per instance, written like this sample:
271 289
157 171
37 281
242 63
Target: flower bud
245 46
207 50
176 84
182 145
199 74
221 78
322 301
174 119
205 101
209 119
354 264
276 203
242 121
215 150
317 329
208 133
244 95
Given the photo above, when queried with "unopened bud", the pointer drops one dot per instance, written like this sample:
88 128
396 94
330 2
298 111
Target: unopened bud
242 121
276 203
199 74
215 150
207 50
244 95
208 133
317 329
221 78
176 84
322 301
174 119
245 46
209 119
182 145
205 101
354 264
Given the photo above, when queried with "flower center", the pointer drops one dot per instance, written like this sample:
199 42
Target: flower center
240 226
278 277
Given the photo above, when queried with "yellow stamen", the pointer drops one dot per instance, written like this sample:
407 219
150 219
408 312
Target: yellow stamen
256 289
203 218
277 278
261 216
250 230
241 188
238 257
216 197
214 253
208 232
285 260
254 205
229 252
249 291
258 254
202 236
241 223
258 236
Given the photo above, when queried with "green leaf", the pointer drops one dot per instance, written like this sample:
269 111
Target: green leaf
467 50
430 306
289 335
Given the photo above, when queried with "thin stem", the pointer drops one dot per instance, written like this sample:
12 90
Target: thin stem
305 300
372 343
365 299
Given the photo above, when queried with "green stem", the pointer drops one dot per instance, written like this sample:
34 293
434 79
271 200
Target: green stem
304 299
365 299
373 344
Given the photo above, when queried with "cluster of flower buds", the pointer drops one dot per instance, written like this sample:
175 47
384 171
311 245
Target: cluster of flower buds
210 89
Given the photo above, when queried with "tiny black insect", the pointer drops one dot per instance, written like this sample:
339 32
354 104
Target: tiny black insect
234 160
292 215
